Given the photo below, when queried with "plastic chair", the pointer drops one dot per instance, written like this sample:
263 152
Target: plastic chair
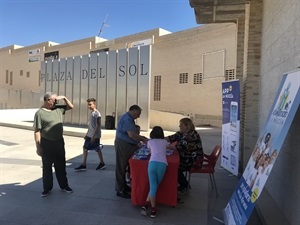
207 165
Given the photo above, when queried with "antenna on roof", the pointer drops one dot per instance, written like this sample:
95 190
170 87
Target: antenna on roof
104 24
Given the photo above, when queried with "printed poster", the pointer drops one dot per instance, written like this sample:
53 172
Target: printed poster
230 126
265 152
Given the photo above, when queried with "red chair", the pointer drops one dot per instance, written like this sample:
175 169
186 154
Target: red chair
207 165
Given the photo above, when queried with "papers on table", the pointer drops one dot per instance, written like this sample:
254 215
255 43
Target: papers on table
169 152
141 153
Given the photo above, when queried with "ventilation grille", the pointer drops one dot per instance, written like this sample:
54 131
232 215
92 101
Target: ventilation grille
229 74
198 77
157 88
183 78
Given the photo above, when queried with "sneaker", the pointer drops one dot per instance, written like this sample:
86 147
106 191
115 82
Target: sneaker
128 182
182 190
68 190
153 213
81 168
101 166
45 193
144 210
123 194
179 200
101 146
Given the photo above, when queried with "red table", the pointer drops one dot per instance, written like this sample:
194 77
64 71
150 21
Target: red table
167 190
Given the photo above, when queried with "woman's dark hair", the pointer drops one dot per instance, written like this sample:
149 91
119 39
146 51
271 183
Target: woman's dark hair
157 132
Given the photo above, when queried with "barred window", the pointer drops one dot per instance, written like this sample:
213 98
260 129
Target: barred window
21 72
27 74
6 79
39 78
157 88
198 77
183 78
11 78
229 74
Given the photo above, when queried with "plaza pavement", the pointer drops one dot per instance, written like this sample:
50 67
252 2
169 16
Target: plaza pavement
94 201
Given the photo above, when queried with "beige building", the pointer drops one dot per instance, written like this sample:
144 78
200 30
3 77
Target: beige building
255 41
268 45
188 68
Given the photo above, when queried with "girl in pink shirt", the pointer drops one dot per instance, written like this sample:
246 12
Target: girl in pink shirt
156 167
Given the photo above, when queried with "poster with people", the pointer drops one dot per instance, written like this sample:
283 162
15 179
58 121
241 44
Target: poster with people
265 152
230 125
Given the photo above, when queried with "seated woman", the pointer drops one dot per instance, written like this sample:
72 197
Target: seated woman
189 146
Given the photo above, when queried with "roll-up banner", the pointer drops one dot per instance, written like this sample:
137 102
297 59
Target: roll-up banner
265 152
230 125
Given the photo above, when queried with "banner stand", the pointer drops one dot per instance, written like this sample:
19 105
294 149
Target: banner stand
231 126
265 152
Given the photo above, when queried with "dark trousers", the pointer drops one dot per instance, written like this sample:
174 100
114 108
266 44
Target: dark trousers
124 151
181 177
54 153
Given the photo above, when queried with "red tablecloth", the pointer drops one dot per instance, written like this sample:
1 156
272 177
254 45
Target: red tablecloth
167 190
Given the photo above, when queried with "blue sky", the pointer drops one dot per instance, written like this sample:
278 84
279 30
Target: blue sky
28 22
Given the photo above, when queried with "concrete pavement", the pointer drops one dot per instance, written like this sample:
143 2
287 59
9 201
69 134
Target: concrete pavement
94 200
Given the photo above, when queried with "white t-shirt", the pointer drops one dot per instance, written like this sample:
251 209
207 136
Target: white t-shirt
95 116
158 149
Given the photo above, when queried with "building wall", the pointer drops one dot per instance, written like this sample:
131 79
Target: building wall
185 52
15 68
280 53
271 47
209 49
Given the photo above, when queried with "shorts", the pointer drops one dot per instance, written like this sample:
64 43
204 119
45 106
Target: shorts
95 146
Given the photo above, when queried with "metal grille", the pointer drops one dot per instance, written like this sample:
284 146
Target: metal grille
229 74
11 78
39 80
198 77
6 79
157 88
183 78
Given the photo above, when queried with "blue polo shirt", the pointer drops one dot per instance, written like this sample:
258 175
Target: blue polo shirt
126 123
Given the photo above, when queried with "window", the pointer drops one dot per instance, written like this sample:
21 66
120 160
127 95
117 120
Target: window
198 77
11 78
21 72
6 79
157 88
183 78
39 80
27 74
229 74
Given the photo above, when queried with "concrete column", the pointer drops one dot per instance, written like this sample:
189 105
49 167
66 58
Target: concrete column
240 37
251 76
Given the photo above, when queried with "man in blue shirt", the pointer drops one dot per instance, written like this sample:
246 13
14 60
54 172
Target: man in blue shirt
125 145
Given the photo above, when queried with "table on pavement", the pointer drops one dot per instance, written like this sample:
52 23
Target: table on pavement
167 190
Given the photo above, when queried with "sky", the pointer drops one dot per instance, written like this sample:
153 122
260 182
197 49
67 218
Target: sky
28 22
